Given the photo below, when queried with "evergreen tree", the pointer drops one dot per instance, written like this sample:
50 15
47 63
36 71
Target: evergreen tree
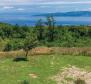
51 25
39 30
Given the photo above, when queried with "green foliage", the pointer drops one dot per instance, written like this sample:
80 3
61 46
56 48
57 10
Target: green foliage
25 82
39 30
14 44
29 43
8 47
51 25
46 34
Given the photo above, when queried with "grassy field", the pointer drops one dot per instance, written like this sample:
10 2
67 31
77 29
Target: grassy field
43 67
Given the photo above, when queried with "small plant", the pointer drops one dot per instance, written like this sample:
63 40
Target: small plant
25 82
69 79
80 81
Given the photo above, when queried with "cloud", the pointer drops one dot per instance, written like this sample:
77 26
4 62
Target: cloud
89 8
12 7
14 2
20 9
7 7
44 6
18 2
59 2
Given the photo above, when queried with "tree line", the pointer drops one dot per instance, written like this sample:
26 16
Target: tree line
45 33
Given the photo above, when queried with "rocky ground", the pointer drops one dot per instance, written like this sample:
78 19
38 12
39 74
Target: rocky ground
71 75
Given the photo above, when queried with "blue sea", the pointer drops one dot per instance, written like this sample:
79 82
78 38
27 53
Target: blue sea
31 20
26 17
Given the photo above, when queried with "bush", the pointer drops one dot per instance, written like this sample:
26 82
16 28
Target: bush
14 44
25 82
80 81
8 47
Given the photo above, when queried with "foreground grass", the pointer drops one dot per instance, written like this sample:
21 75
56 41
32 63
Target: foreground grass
43 66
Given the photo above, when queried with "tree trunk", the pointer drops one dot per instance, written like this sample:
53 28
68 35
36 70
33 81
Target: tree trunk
26 53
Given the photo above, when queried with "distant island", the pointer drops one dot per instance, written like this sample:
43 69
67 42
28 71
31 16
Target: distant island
66 14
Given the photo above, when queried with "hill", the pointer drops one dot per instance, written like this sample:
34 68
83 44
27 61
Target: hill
72 14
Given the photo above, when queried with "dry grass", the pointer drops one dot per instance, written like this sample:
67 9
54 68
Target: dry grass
12 53
42 51
73 51
52 50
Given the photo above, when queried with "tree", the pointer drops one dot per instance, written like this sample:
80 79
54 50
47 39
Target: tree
30 43
39 30
51 25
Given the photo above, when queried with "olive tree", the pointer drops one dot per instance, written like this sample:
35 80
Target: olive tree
29 44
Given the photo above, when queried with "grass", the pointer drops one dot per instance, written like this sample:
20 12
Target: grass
42 66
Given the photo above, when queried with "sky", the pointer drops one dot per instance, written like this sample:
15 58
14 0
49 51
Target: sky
45 5
13 2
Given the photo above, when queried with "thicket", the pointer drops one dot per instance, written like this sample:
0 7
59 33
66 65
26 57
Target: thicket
13 37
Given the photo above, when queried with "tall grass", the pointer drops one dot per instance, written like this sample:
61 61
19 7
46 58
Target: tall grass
52 50
73 51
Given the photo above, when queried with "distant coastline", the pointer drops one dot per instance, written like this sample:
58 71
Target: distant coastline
67 14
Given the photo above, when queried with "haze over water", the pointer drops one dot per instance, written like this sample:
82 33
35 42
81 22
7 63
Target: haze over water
22 12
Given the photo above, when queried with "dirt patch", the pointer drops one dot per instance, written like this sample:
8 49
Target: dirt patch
71 74
33 75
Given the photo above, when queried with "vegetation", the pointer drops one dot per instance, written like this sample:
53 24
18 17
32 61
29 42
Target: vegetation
29 44
80 81
38 70
25 82
13 37
42 67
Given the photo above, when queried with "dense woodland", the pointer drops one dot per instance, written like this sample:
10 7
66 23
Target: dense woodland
14 37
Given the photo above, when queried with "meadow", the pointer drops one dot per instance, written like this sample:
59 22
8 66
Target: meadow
39 68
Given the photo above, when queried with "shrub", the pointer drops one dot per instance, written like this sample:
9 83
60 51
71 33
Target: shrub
80 81
8 47
25 82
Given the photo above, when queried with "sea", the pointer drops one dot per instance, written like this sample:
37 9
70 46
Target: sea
29 18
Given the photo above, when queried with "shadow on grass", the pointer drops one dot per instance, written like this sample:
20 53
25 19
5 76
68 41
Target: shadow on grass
20 58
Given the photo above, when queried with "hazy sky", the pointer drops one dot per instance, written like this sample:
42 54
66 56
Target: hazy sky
6 2
45 5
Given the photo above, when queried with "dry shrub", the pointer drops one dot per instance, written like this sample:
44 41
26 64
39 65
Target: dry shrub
80 81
